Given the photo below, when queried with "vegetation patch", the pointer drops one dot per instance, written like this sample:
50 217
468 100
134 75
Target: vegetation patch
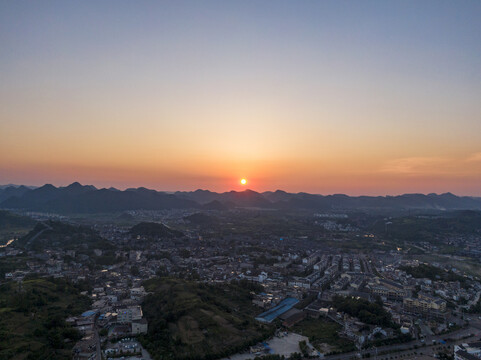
432 273
368 312
189 320
323 334
32 319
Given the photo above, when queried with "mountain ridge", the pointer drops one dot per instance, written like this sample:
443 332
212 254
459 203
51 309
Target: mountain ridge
78 198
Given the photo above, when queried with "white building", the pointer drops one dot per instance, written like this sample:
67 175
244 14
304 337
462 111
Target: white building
471 351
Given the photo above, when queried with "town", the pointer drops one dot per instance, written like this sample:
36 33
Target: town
380 303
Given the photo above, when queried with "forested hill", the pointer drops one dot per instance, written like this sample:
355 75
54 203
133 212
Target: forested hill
32 319
190 320
60 235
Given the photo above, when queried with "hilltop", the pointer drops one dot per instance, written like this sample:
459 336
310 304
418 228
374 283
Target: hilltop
190 320
56 234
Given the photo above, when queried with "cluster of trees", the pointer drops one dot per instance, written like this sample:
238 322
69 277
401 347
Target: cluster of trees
304 348
368 312
431 272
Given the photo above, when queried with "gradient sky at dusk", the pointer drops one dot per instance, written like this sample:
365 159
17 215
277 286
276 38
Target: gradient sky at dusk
356 97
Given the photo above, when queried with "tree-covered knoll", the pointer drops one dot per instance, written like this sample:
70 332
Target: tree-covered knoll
60 235
32 318
190 320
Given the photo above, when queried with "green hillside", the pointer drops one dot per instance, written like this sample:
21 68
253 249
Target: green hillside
155 230
56 234
32 319
197 321
428 228
13 225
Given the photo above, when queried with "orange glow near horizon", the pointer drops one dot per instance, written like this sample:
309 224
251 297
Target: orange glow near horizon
319 97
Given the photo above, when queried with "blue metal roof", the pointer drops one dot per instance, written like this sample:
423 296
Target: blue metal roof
285 305
89 313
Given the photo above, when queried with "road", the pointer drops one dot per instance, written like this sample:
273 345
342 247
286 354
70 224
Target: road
457 337
99 348
7 243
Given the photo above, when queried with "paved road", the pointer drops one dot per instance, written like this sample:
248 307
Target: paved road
457 335
99 348
7 243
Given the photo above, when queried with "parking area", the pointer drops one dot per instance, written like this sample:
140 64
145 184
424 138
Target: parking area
285 344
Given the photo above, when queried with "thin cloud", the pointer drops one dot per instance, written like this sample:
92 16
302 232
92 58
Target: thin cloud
474 157
416 166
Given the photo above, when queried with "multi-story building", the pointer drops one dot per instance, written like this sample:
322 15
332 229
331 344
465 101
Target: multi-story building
311 259
424 305
128 315
389 290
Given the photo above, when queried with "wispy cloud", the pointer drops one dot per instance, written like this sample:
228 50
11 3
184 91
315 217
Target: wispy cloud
474 157
416 165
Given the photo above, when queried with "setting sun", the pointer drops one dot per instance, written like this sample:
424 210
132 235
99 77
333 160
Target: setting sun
243 181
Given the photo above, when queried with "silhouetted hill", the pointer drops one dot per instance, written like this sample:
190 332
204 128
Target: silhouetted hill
155 229
56 234
77 198
9 221
200 196
247 198
278 195
217 205
39 199
201 219
13 191
401 202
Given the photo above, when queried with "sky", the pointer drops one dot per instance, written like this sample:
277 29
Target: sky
356 97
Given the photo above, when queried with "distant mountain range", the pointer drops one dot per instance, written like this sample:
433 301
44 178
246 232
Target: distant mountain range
77 198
